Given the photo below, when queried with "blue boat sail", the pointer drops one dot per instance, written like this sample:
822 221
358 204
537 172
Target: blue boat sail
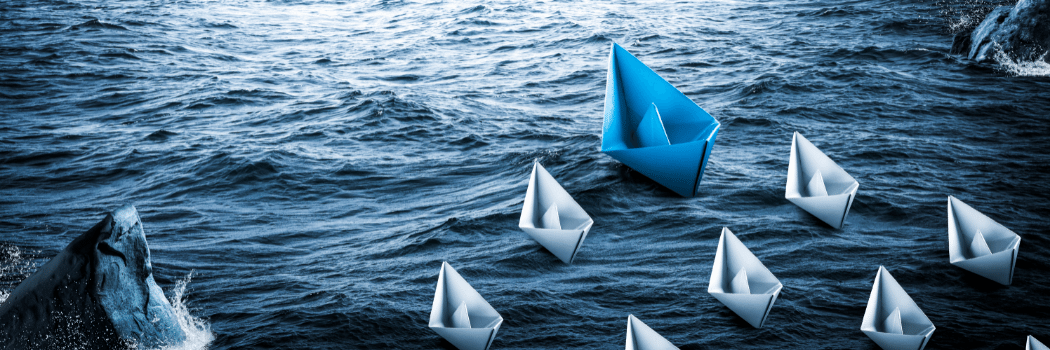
653 128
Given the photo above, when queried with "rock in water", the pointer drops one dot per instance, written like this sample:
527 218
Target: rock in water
98 293
1022 32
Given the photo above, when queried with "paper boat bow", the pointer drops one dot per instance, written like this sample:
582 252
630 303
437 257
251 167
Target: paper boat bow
979 244
653 128
460 314
552 217
1033 344
818 185
641 337
741 282
892 319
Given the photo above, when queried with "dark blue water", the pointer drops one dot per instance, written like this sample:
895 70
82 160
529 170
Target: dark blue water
312 163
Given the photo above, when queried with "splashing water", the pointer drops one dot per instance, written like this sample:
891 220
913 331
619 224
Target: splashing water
964 21
198 331
15 265
965 15
1036 68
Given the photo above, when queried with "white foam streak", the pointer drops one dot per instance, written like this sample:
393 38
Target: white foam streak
198 331
1037 68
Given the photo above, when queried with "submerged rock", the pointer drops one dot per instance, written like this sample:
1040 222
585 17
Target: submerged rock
1022 32
98 293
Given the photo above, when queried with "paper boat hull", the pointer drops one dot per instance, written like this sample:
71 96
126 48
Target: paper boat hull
753 308
631 89
889 341
469 338
564 244
997 267
678 167
832 210
641 337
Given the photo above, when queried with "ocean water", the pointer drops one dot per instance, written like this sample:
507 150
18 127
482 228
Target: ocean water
302 168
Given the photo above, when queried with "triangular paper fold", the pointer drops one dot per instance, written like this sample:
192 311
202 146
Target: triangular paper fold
829 190
980 245
641 337
461 318
893 324
816 186
651 132
634 129
892 319
1032 344
741 282
460 315
551 220
563 225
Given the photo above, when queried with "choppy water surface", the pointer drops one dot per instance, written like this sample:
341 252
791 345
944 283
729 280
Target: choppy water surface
313 163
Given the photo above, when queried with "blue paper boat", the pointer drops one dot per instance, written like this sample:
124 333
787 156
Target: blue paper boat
653 128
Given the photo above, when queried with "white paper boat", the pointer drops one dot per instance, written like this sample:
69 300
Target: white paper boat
641 337
818 185
1033 344
552 217
460 314
892 319
979 244
741 282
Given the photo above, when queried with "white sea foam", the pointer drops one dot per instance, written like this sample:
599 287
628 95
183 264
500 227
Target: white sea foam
198 331
1037 68
15 266
965 21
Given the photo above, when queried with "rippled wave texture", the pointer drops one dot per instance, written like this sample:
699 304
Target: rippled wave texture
314 162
